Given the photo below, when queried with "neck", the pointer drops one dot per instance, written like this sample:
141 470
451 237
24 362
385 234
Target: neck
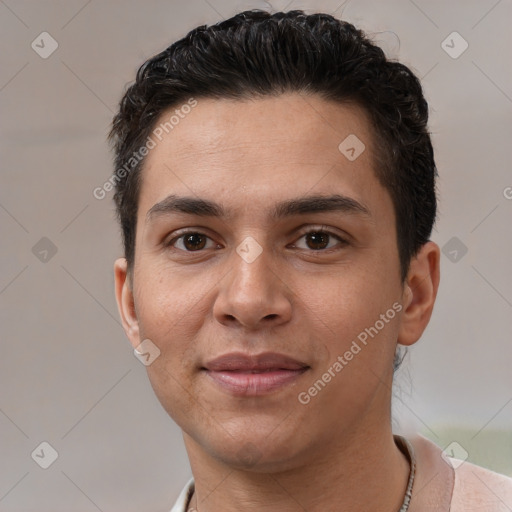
363 471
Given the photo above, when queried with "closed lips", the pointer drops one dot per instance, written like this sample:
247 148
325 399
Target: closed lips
259 363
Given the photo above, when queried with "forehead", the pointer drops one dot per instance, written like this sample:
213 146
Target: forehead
215 125
259 149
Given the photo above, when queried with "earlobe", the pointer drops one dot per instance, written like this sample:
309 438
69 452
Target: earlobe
420 293
125 301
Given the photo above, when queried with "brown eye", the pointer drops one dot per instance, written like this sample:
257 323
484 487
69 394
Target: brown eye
318 240
194 241
190 242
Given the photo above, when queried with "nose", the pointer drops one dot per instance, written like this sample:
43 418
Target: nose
253 294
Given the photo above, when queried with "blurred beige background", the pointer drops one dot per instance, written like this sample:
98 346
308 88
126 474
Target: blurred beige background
68 376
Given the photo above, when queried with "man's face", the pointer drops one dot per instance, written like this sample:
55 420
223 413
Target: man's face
254 282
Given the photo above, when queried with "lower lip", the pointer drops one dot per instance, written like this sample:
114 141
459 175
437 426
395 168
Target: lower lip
254 384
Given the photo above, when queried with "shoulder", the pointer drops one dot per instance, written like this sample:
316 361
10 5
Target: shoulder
447 484
477 488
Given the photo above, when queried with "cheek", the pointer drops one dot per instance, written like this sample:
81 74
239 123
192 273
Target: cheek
345 313
166 311
170 315
359 347
343 301
169 299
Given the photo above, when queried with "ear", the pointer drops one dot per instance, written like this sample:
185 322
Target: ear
420 291
125 302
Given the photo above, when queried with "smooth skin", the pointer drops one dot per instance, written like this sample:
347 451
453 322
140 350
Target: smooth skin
304 296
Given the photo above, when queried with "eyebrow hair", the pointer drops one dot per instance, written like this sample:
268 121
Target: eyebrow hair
298 206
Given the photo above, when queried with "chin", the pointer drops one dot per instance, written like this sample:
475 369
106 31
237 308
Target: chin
252 457
261 450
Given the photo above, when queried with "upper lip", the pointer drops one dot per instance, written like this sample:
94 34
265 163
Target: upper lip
256 362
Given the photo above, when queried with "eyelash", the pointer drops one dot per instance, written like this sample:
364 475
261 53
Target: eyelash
341 240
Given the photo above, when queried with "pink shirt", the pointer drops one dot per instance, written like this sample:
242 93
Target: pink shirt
440 485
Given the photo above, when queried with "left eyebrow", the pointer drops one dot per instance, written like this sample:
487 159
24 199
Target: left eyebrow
298 206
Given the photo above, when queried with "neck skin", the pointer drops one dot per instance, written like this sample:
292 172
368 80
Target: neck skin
364 470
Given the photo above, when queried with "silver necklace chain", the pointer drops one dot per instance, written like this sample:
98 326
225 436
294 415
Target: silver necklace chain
412 461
